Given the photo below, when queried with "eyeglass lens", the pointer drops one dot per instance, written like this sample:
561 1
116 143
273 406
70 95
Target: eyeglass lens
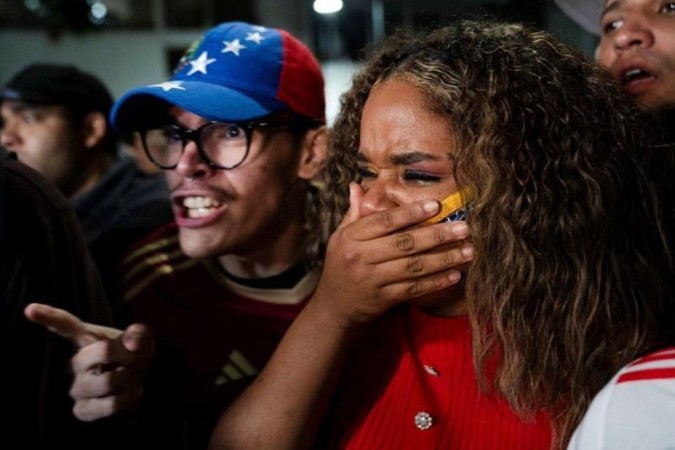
224 145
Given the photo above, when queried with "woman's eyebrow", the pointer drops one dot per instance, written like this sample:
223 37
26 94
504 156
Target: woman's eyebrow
413 157
360 157
404 158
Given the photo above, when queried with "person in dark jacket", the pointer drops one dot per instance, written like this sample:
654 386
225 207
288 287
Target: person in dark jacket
43 257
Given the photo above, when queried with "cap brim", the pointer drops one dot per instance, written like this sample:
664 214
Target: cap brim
9 94
146 107
13 94
586 13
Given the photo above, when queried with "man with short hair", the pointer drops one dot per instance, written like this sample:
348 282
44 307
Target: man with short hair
55 118
637 44
239 130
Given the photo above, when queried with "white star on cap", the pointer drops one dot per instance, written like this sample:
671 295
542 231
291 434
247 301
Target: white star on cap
232 47
255 37
169 85
199 64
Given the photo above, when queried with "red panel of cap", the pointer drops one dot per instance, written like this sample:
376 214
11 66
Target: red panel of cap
301 84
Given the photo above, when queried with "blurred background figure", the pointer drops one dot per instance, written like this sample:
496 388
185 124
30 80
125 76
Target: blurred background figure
43 258
135 149
637 45
55 118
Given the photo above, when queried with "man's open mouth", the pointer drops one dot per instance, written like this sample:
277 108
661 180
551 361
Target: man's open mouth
634 75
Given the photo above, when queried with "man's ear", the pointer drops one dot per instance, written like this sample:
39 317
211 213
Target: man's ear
313 153
94 127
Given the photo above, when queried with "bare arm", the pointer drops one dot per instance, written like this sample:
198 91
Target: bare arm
370 266
108 366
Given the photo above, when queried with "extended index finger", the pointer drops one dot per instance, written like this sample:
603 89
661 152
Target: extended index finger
58 321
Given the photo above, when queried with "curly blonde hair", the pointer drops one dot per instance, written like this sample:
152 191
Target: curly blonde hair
571 275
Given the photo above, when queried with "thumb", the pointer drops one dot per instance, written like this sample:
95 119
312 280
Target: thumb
355 196
137 338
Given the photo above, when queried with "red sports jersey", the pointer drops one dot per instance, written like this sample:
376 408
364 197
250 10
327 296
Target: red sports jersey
213 334
411 384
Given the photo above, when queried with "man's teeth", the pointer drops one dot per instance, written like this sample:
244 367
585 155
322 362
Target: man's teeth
201 212
632 74
200 202
199 206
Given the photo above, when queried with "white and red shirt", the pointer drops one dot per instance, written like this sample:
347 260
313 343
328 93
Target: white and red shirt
635 410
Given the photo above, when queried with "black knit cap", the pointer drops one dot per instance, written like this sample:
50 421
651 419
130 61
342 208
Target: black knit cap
59 85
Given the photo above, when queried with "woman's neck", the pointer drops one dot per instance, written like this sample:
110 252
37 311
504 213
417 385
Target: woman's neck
447 303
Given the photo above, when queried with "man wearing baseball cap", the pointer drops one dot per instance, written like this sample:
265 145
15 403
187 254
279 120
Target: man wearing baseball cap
636 409
239 130
54 117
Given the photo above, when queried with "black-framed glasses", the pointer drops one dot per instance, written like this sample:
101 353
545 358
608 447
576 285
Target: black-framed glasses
222 145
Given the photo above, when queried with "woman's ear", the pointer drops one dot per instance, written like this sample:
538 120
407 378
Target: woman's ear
94 127
313 153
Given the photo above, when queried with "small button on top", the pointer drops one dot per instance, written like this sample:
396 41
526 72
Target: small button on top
423 420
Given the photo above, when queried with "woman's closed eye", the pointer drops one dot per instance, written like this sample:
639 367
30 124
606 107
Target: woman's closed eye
423 177
366 172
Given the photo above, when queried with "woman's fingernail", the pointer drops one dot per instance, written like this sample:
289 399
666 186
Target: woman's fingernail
460 229
431 206
454 276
